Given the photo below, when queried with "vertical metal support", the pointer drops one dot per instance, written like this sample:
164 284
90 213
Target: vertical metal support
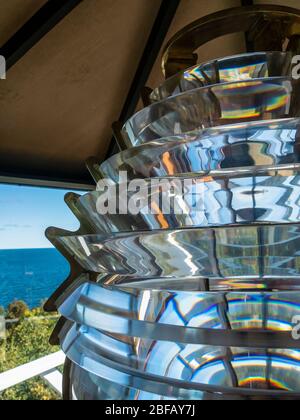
249 43
154 44
117 132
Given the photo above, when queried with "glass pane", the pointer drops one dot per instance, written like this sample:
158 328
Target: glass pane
30 271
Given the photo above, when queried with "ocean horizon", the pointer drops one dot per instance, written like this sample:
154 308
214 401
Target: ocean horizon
30 275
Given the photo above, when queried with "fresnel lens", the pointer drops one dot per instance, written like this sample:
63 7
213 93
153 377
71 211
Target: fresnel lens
187 285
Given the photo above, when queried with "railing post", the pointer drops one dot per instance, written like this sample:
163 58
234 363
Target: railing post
45 367
2 338
2 67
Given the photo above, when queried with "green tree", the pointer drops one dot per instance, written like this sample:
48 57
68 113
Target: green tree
27 341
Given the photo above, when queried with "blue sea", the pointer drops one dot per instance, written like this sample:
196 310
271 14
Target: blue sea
31 275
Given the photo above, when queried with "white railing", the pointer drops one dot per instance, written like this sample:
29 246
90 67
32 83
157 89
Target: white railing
46 368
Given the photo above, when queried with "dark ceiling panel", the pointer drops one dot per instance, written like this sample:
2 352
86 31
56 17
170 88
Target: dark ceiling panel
59 100
154 44
287 3
45 19
13 15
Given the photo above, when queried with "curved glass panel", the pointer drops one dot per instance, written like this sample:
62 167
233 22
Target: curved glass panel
93 304
106 386
200 284
183 202
229 69
217 105
222 252
199 368
243 145
183 284
188 285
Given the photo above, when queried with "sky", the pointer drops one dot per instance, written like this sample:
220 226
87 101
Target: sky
26 212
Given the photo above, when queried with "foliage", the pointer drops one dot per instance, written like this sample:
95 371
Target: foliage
34 389
26 341
17 310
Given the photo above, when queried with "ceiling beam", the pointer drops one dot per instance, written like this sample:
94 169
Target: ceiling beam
153 47
47 183
247 2
35 29
249 44
45 19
